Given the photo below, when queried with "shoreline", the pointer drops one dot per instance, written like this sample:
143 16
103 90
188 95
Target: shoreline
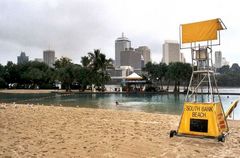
33 91
46 131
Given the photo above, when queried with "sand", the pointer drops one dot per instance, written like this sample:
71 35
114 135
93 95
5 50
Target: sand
45 131
22 91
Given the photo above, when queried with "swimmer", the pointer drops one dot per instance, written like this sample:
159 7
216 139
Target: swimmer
117 103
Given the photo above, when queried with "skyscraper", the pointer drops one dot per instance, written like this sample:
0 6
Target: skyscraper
49 57
171 52
145 52
121 44
130 57
218 59
22 58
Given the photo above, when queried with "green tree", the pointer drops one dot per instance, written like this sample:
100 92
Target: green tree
2 80
85 61
149 68
223 69
81 76
99 64
156 72
62 62
65 72
186 75
161 73
230 79
179 72
11 73
235 68
35 74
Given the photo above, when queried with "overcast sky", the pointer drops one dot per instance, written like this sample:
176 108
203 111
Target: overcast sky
75 27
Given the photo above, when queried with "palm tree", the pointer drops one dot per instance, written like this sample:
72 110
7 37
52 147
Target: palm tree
99 64
85 61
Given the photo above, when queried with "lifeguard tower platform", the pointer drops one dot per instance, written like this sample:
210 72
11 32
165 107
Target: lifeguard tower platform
203 114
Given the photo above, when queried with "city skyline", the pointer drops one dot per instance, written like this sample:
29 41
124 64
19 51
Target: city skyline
74 28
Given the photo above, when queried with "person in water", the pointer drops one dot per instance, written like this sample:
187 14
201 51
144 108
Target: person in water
117 103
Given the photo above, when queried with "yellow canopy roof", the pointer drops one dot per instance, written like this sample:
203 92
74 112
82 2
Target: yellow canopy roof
201 31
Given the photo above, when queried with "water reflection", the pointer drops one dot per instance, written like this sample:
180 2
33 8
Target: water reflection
154 103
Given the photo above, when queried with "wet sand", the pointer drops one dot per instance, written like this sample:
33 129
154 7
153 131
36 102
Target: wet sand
48 131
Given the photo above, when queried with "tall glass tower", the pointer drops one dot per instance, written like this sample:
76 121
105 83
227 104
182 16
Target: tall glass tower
49 57
121 44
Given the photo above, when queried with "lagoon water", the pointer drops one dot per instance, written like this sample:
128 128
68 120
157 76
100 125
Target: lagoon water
153 103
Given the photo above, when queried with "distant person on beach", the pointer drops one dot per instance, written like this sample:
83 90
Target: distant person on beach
117 103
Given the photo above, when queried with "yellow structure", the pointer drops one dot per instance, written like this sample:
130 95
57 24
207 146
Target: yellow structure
203 114
201 31
203 119
231 108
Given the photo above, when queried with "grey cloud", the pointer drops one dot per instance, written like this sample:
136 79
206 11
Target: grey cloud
68 27
74 27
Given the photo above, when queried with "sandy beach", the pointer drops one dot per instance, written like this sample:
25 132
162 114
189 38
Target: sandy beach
47 131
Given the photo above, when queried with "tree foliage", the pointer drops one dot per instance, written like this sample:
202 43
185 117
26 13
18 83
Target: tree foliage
35 73
92 70
176 72
96 64
3 83
27 75
65 72
38 75
157 72
179 72
229 76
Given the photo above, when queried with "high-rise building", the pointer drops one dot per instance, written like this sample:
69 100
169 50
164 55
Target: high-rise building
49 57
22 58
145 52
171 52
218 59
121 44
130 57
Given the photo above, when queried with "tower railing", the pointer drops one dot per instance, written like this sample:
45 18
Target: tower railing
200 37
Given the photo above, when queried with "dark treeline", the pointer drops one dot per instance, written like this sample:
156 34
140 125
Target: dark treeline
92 70
177 74
33 74
229 76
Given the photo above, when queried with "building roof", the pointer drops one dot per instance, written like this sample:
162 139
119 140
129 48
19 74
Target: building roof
123 38
134 76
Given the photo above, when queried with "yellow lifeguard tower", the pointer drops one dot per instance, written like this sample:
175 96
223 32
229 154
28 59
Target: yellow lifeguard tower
203 114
